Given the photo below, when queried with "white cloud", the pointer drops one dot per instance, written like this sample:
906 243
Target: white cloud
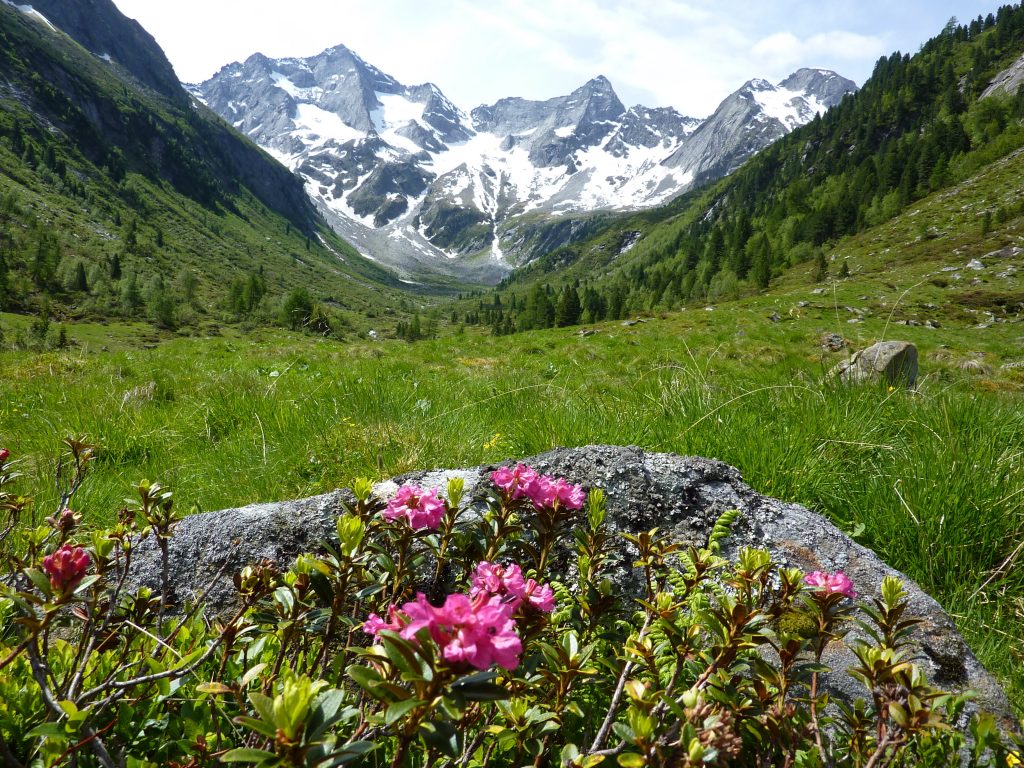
685 53
784 49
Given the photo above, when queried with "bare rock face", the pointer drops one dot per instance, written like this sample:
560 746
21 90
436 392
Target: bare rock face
682 496
891 362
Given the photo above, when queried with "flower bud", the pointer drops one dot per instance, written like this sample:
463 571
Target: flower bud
65 522
66 567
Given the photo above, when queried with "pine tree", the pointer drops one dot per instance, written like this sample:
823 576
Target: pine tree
820 267
81 282
568 310
414 332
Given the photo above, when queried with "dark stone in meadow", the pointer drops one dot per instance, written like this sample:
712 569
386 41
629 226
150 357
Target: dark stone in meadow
682 496
832 342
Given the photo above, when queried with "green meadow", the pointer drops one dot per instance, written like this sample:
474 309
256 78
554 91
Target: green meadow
932 479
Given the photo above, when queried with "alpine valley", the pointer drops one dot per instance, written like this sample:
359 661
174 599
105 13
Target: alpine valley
415 182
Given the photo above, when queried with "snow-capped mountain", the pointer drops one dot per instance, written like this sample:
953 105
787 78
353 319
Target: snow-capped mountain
413 181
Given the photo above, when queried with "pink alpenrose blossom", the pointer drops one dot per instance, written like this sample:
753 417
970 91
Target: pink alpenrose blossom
477 631
66 567
497 580
546 491
837 583
507 584
540 596
419 506
514 481
569 496
4 453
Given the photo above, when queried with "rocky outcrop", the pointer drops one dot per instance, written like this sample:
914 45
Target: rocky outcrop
682 496
891 362
100 28
1007 82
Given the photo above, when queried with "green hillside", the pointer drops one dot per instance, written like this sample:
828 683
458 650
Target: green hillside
118 201
918 126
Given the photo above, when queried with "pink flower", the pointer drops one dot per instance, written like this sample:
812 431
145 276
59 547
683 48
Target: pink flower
506 583
541 492
569 496
831 583
375 623
478 631
540 596
420 615
4 453
493 579
514 481
546 491
419 506
66 567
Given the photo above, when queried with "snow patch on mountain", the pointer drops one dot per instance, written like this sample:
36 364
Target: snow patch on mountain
28 10
404 173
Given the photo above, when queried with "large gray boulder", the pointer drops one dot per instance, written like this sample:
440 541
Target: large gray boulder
682 496
891 362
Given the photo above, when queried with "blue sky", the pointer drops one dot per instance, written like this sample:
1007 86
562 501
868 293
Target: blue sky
688 55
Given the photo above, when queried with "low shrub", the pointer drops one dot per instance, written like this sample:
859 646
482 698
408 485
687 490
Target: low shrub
436 633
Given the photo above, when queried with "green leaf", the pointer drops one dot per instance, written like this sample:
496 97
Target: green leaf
322 586
479 690
40 580
264 706
366 678
632 760
251 674
350 752
48 730
442 736
284 597
369 591
265 728
246 755
87 582
215 688
403 655
397 710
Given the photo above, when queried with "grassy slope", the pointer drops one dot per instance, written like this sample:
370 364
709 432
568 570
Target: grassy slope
88 207
932 480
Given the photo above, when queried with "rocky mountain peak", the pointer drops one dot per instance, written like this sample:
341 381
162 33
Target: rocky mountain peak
823 84
409 178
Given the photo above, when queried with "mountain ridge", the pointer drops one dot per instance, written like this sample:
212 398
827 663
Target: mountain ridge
413 180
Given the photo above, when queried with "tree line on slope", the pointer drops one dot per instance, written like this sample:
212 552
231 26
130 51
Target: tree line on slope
917 126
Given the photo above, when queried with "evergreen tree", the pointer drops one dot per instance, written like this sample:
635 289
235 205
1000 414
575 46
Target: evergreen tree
568 310
81 281
820 267
414 331
539 311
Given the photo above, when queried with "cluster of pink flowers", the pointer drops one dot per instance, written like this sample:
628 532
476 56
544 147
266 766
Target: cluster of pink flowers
477 631
506 583
837 583
544 491
66 567
419 506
